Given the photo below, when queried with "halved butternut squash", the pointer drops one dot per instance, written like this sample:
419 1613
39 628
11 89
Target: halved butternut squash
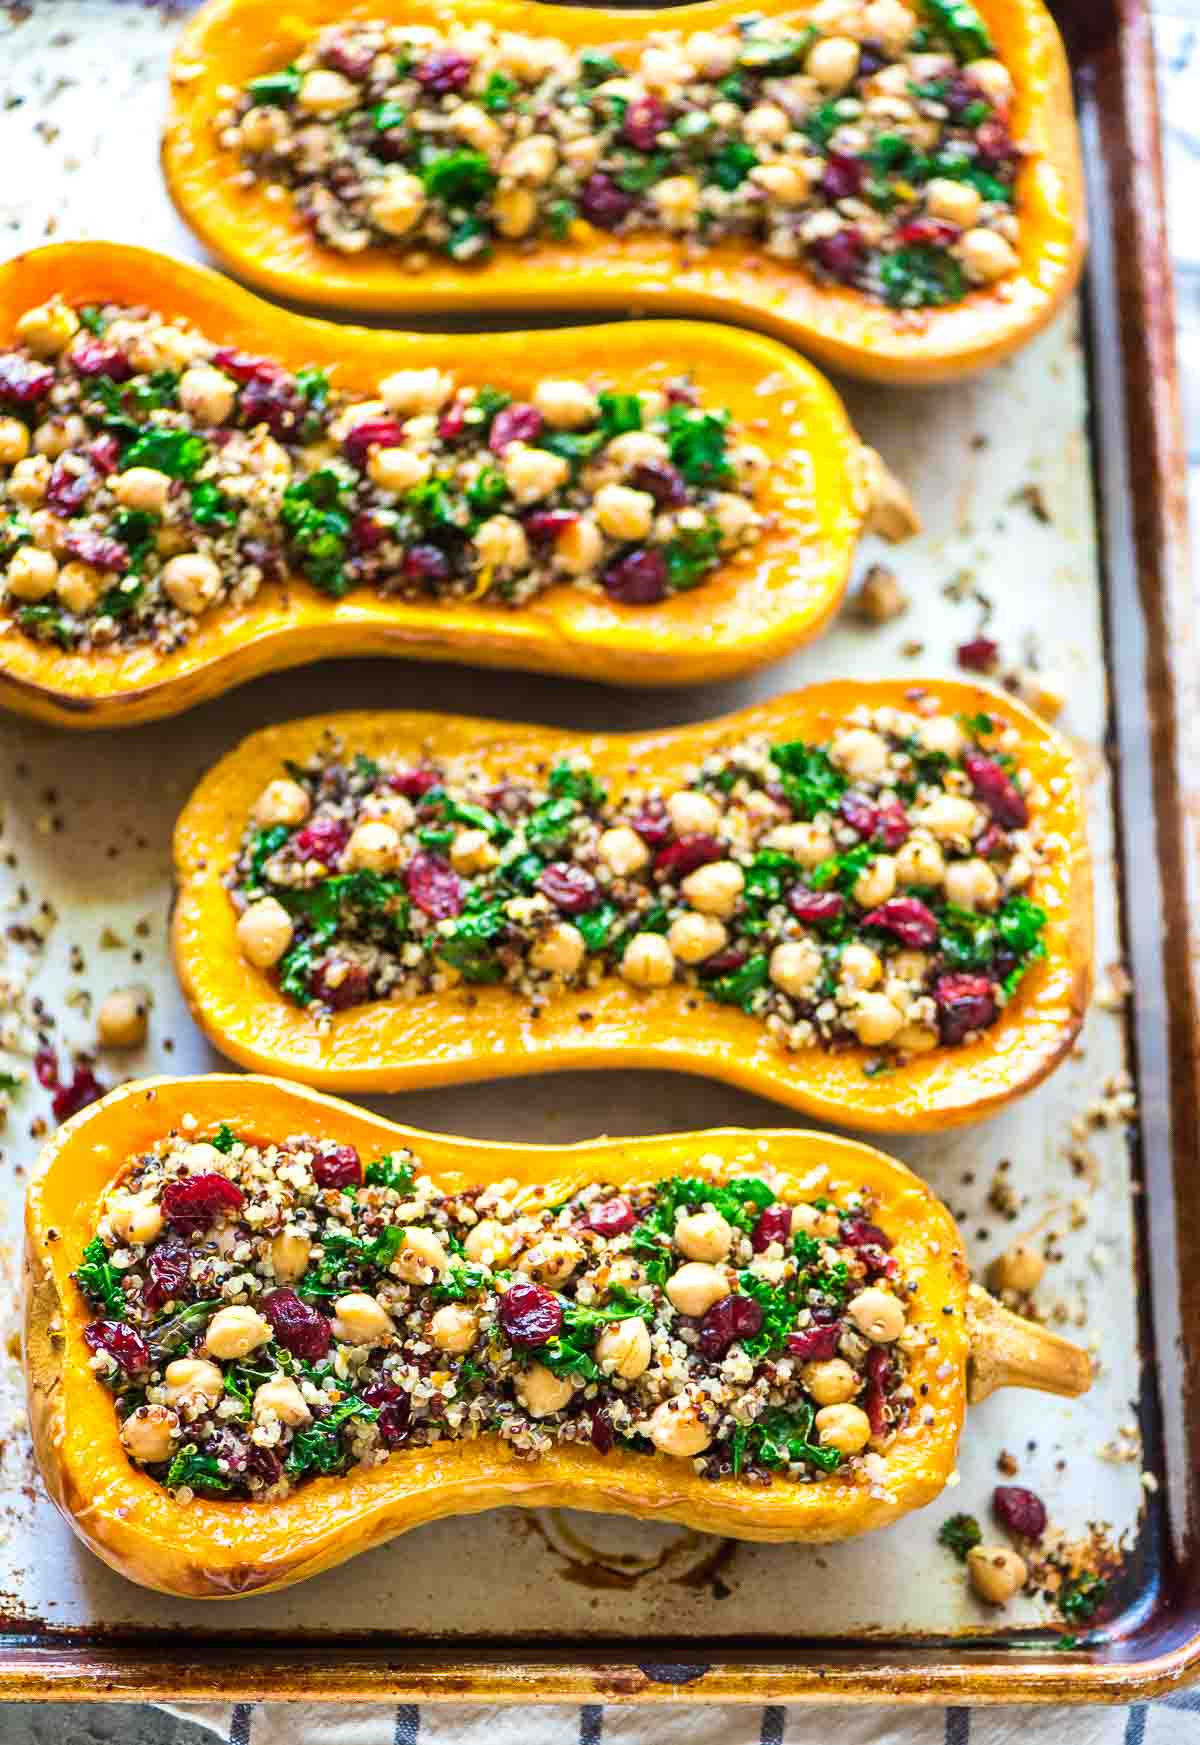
232 41
476 1032
225 1549
820 490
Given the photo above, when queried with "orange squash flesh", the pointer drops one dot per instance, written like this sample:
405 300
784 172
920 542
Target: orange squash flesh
232 41
487 1032
743 616
215 1549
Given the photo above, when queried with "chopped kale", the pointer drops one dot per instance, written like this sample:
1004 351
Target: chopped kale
99 1280
960 1534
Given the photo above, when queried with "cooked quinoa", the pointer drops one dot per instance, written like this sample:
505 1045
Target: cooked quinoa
272 1311
872 888
867 140
150 475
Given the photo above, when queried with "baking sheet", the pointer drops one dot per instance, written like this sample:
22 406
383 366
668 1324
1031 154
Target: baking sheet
1001 472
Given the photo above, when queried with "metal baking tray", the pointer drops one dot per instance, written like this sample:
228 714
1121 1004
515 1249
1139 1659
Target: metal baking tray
1053 491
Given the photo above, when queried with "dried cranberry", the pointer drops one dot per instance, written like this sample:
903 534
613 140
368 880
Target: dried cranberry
611 1217
994 143
965 1003
276 403
123 1344
413 783
544 525
371 433
434 886
686 853
815 1344
100 357
104 452
529 1314
349 57
734 1317
930 232
723 963
879 1374
637 579
892 827
395 1412
244 367
45 1066
426 563
906 919
774 1225
443 72
169 1264
994 789
858 812
518 423
351 988
323 840
842 255
22 382
661 481
95 549
1021 1511
979 655
339 1167
82 1088
453 422
861 1233
652 823
843 176
69 485
193 1203
569 887
960 90
815 907
644 120
299 1328
367 532
990 843
603 1434
603 203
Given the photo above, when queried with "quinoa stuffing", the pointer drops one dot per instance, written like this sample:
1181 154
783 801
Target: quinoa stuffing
149 475
872 889
867 140
273 1311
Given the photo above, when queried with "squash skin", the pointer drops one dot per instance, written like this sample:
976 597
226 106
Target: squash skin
741 618
221 1550
439 1039
231 41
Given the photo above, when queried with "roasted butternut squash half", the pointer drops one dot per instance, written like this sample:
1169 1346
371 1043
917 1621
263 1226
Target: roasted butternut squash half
894 186
196 488
868 900
234 1285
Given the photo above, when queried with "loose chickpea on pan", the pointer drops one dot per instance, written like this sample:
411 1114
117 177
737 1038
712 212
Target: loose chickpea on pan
855 877
133 1414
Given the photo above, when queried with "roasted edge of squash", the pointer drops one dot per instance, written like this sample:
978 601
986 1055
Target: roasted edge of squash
484 1032
232 41
215 1549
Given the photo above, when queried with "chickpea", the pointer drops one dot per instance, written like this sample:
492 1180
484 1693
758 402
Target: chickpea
48 329
694 937
454 1328
359 1320
28 481
676 198
833 62
207 394
533 473
289 1256
987 257
1018 1269
916 1038
624 513
191 581
565 405
636 448
560 950
135 1218
121 1020
282 801
149 1434
488 1243
541 1392
514 211
692 813
810 844
501 544
324 92
676 1428
859 967
813 1222
193 1378
31 573
920 862
950 817
832 1382
579 547
423 1259
875 1020
715 889
391 809
397 469
79 586
695 1287
473 851
622 850
878 1315
993 79
662 69
142 488
201 1158
531 160
788 183
766 124
795 967
703 1236
236 1332
890 23
58 435
264 932
957 202
373 847
476 126
712 53
397 205
14 442
877 883
846 1428
281 1398
996 1573
407 392
860 752
972 884
552 1260
648 962
733 515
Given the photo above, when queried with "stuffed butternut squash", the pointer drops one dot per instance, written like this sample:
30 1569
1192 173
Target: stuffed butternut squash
266 1331
868 900
892 185
196 488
